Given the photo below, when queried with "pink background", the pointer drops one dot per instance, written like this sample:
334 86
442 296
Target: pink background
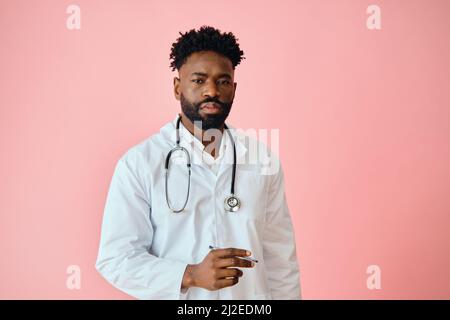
363 116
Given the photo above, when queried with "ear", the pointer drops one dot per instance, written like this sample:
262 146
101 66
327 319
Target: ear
176 88
235 86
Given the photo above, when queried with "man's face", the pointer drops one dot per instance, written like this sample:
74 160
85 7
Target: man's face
206 88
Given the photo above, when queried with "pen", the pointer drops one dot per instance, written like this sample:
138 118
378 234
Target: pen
244 258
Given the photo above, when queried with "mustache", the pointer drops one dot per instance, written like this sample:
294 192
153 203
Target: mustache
212 100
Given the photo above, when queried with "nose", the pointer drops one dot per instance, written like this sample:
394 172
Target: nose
210 90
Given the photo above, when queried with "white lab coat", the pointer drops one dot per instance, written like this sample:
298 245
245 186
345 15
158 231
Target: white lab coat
145 248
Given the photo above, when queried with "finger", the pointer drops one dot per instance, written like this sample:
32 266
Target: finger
233 262
229 272
223 283
231 252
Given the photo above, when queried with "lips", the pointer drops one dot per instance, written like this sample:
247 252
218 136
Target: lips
210 106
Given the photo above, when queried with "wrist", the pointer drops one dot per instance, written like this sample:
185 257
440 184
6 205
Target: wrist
188 277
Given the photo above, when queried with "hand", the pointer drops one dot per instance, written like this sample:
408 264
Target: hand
216 270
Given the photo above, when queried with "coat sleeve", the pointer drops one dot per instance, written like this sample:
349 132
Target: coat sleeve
279 248
123 258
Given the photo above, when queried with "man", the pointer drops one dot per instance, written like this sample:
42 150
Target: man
150 250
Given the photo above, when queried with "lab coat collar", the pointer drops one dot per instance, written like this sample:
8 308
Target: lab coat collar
168 132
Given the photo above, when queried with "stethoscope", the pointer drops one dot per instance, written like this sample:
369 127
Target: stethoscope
231 203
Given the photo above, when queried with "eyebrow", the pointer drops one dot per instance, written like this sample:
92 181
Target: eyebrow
202 74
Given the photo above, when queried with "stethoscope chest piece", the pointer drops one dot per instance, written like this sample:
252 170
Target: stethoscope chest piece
232 203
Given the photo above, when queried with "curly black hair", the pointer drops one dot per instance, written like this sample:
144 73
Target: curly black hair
206 38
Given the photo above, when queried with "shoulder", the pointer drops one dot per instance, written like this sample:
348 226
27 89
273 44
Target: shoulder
151 148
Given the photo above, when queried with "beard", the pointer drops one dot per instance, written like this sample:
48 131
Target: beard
209 121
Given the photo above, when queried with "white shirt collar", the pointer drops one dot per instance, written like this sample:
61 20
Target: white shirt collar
197 146
168 132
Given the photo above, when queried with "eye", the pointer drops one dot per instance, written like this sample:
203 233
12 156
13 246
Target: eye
226 82
197 81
